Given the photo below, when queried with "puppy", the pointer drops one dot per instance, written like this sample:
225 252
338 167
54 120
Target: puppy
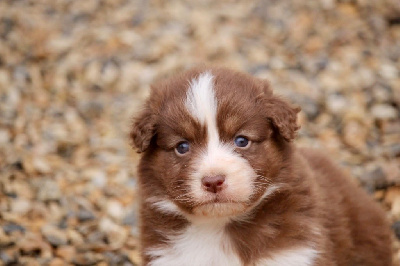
222 184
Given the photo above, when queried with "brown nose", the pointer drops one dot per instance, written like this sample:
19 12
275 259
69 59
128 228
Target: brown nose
213 183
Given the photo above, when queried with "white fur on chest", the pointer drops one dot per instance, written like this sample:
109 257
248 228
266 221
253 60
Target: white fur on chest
205 243
303 256
198 245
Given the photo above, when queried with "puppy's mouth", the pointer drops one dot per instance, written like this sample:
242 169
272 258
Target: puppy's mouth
219 200
219 208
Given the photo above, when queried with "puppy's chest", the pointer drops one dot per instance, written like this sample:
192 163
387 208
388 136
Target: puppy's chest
197 246
212 246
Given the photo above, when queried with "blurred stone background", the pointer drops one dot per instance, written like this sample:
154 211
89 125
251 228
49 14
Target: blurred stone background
72 74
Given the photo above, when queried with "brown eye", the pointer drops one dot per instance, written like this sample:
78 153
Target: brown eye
241 142
182 147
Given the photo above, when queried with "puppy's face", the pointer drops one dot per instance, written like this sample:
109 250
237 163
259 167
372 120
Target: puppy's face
213 141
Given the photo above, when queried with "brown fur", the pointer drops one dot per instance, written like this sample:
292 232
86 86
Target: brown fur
316 203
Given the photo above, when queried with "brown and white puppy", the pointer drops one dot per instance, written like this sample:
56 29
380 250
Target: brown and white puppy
222 184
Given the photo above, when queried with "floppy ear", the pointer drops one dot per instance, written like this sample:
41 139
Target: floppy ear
143 129
283 117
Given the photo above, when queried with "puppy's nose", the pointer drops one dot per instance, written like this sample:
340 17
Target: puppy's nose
213 183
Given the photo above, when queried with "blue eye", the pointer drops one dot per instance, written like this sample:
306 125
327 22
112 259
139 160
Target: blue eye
241 142
182 147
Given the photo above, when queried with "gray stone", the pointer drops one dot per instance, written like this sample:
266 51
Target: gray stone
12 227
55 236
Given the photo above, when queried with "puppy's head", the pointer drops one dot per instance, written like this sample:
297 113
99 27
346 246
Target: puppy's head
213 141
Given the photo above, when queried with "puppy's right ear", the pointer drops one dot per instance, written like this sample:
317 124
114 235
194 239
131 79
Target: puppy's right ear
143 129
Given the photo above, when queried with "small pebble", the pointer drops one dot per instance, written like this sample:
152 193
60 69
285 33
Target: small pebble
85 215
56 262
9 228
384 111
48 190
21 206
87 259
375 178
396 229
4 137
115 209
7 259
130 219
67 253
55 236
336 103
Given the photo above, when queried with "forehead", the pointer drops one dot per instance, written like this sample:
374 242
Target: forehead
203 98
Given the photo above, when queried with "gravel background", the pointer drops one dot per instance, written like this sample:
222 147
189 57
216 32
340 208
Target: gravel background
72 73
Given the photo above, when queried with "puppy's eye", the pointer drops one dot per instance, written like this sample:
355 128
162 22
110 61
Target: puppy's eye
241 142
182 147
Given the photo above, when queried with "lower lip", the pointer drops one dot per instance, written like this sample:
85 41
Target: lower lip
216 201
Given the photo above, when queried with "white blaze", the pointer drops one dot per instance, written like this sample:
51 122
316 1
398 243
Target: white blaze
202 104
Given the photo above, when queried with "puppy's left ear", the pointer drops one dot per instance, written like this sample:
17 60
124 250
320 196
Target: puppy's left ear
143 129
283 117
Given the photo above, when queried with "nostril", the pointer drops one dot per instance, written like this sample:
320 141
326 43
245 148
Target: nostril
213 183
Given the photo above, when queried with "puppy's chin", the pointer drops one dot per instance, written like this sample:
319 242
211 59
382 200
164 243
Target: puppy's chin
219 210
234 209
